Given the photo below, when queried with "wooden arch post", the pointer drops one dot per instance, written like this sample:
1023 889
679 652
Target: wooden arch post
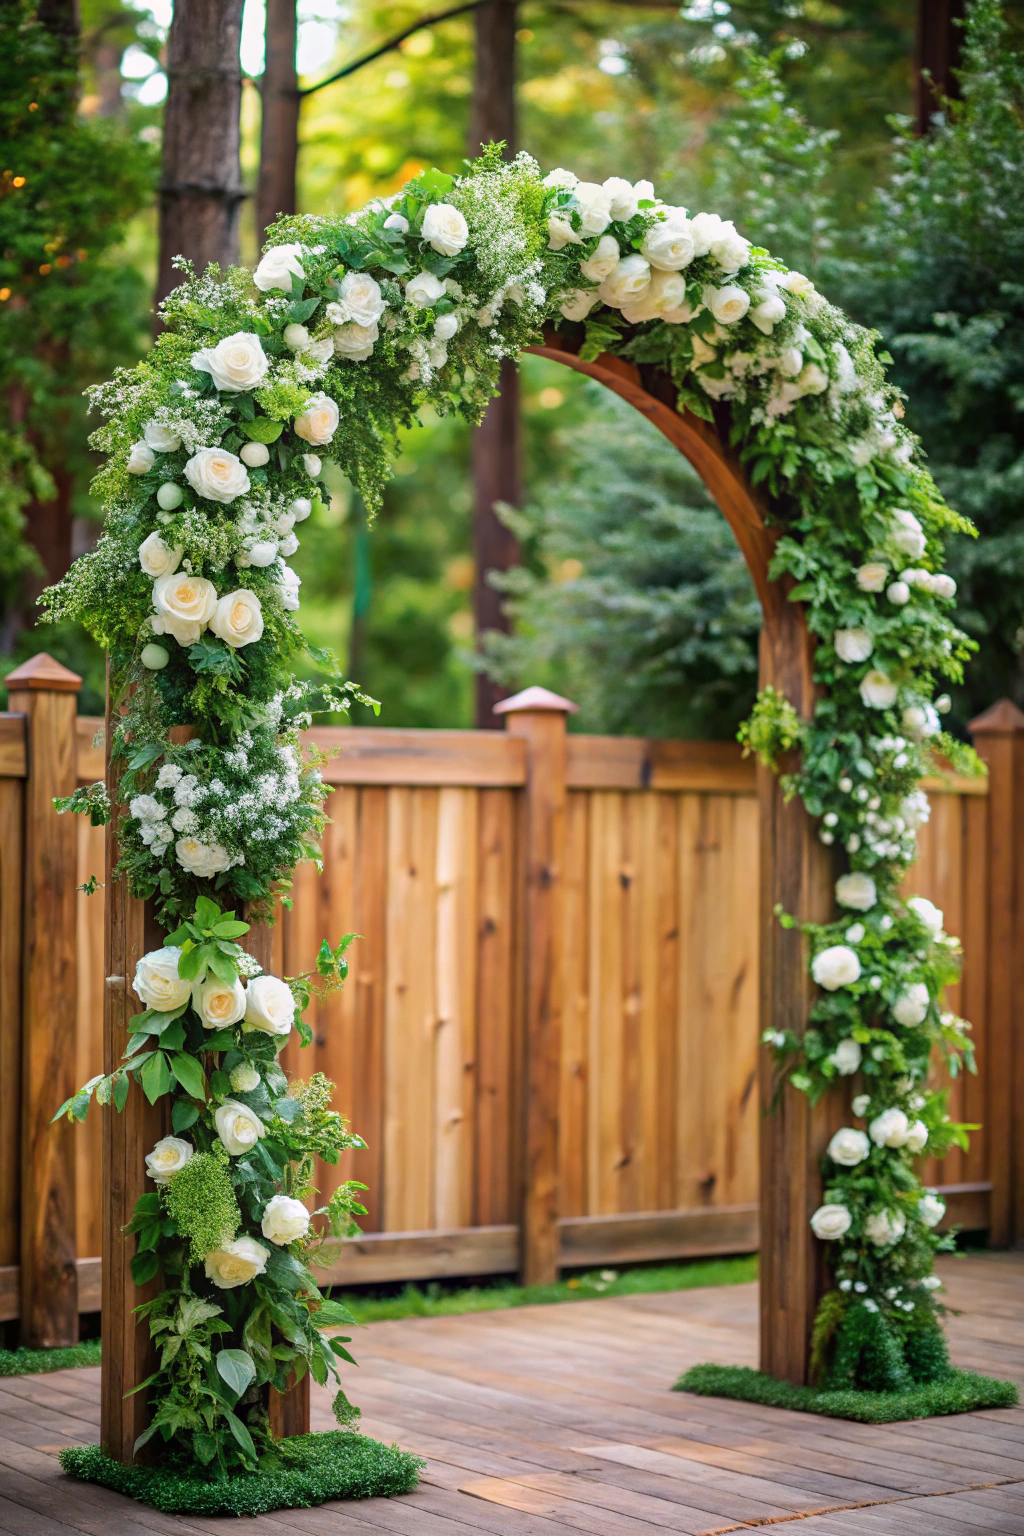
796 869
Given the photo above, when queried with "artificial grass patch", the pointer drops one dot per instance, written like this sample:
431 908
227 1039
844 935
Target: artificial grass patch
334 1465
959 1392
28 1362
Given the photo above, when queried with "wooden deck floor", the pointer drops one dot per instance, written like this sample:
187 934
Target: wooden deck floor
558 1419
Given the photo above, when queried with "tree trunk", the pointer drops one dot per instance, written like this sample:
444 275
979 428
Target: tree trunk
938 54
279 132
495 450
201 190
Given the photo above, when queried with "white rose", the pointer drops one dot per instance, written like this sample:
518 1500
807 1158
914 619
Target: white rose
261 554
237 1262
290 584
446 326
319 351
878 690
830 1222
578 303
218 1003
561 232
234 364
705 227
318 421
847 1057
157 558
254 454
796 283
277 267
622 198
295 336
269 1006
361 299
789 362
665 299
301 506
917 1137
856 890
930 915
141 459
169 496
921 720
628 281
853 645
284 1220
602 262
238 1126
288 545
146 808
595 207
184 605
943 585
202 859
885 1227
812 379
767 311
312 465
160 438
169 1154
848 1147
423 290
702 353
729 248
355 341
898 592
873 576
907 534
397 221
861 1104
930 1209
729 304
670 245
911 1007
445 228
217 474
560 178
889 1129
244 1078
837 966
915 809
157 983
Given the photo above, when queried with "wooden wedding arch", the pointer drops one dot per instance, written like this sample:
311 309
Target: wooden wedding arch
796 871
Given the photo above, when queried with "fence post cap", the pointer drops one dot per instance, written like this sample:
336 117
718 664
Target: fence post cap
535 698
44 673
1000 719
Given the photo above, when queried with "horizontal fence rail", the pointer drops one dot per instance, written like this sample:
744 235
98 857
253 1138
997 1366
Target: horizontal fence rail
656 952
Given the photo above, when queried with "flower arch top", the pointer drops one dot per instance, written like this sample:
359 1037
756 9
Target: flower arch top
216 445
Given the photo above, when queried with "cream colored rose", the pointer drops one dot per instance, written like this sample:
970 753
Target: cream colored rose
296 337
873 576
768 309
856 890
284 1220
278 266
423 290
878 690
238 1127
157 983
355 341
360 298
889 1129
202 859
235 364
670 245
911 1007
601 263
835 967
290 581
169 1154
157 558
578 304
930 1209
729 248
560 233
595 207
847 1056
885 1227
796 283
238 618
218 1003
853 645
665 299
728 304
217 475
445 228
560 177
445 327
318 421
269 1006
141 459
160 438
917 1137
830 1222
184 606
907 534
928 913
623 197
849 1147
254 455
627 282
236 1263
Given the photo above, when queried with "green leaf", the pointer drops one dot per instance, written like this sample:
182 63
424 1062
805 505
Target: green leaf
220 1040
190 964
262 430
230 928
207 912
120 1090
433 184
220 1084
144 1267
190 1074
237 1369
156 1077
302 310
221 966
338 1345
241 1434
173 1038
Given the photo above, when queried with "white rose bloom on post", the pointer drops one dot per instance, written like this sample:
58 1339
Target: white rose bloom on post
141 459
767 310
849 1147
627 282
360 298
622 198
290 581
729 248
355 341
238 1127
907 534
157 558
706 227
595 207
277 267
235 364
318 421
202 859
236 1263
889 1129
312 465
878 690
930 1209
445 228
835 967
729 304
927 913
602 262
184 606
423 290
857 891
217 474
853 645
284 1220
885 1227
160 438
219 1003
873 576
157 983
560 178
847 1057
917 1137
578 304
830 1222
169 1154
665 299
261 554
561 232
670 245
296 337
269 1006
911 1007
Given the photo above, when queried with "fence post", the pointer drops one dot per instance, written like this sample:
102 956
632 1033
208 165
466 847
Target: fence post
999 738
46 693
538 716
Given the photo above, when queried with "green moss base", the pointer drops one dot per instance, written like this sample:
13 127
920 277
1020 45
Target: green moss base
26 1362
318 1467
959 1392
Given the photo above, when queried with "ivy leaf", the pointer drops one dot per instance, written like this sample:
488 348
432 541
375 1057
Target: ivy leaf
237 1369
189 1074
156 1077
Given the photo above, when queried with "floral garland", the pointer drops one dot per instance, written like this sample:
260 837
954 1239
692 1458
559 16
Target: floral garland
216 445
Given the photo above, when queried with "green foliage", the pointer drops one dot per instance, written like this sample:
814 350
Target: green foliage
959 1392
866 1353
88 799
772 729
31 1362
201 1200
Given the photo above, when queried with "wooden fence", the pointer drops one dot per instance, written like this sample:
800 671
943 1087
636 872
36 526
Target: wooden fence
650 954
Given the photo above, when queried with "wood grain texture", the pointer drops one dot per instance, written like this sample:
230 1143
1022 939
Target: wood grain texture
13 756
91 921
12 813
496 1197
381 755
